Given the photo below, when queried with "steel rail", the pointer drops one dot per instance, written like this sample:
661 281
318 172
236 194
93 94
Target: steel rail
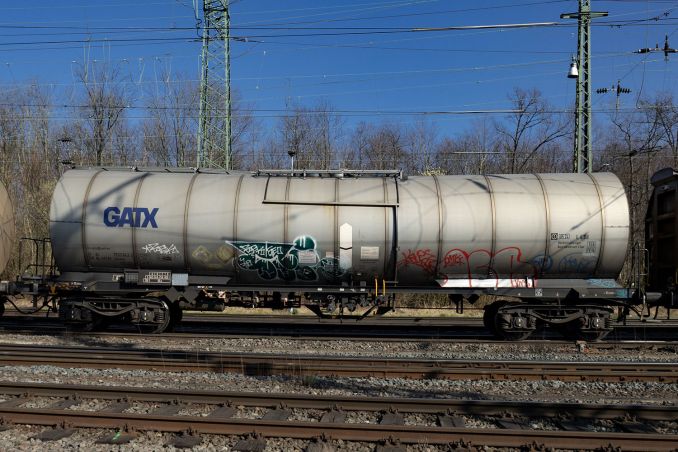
349 403
622 345
308 365
349 432
353 432
229 325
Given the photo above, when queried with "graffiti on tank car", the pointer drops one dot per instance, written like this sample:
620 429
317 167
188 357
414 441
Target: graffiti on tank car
604 283
453 260
262 250
161 249
134 217
511 255
545 263
424 259
574 263
517 272
298 260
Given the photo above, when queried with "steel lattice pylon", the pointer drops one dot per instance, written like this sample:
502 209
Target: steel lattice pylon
214 128
583 156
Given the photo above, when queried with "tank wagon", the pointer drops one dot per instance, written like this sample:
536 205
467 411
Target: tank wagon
144 244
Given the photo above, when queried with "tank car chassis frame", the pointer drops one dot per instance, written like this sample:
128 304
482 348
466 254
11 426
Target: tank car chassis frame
154 300
578 308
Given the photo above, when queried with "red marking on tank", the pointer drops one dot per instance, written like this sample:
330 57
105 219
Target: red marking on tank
423 258
454 260
456 257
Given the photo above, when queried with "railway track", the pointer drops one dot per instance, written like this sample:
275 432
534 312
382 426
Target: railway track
307 326
125 410
259 364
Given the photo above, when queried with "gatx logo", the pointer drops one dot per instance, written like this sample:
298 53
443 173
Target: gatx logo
134 217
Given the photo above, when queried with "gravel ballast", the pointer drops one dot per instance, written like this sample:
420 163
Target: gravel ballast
18 437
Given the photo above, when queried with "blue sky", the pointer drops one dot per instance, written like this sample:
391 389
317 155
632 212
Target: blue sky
357 55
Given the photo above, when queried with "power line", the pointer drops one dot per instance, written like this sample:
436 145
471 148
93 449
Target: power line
419 14
304 111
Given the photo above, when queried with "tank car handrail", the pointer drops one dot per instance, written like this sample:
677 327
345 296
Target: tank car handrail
258 173
340 173
158 169
331 203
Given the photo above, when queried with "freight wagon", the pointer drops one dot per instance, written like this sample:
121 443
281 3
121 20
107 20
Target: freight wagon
141 245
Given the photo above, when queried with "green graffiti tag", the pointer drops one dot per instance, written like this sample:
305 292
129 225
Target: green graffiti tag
296 261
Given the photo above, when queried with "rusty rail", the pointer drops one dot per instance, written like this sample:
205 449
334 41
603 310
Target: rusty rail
11 411
260 364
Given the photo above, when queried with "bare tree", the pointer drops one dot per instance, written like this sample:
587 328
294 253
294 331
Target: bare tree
634 143
170 132
244 132
474 152
29 163
379 147
103 109
311 135
420 142
664 112
528 131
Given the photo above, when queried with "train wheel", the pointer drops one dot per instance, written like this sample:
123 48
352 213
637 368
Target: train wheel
574 331
175 314
161 319
95 323
490 316
512 326
514 335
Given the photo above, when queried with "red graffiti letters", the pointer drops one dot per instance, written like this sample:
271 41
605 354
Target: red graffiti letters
424 259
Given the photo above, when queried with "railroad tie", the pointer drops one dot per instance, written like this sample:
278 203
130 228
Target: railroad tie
66 404
279 414
185 440
222 412
512 424
252 443
451 420
333 416
117 407
119 437
391 445
15 402
577 424
392 418
319 445
54 434
636 427
169 409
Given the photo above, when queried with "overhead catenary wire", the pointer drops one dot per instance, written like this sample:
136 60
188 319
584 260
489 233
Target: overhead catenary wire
304 83
373 75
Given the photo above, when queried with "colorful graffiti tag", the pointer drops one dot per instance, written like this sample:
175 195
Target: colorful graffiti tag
506 267
475 267
296 261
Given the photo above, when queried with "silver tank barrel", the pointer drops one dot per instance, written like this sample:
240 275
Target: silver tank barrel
449 231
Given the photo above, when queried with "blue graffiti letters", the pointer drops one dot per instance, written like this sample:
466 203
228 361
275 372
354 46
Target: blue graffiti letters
134 217
575 263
